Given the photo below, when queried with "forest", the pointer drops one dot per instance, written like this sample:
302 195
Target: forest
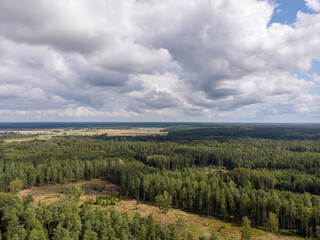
266 175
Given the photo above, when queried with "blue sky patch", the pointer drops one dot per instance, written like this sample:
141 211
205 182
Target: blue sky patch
286 11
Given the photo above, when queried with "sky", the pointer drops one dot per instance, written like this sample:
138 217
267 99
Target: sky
160 60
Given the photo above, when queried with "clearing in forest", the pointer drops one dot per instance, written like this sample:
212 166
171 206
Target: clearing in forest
197 225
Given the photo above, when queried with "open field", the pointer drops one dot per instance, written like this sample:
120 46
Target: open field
10 140
55 192
197 225
45 134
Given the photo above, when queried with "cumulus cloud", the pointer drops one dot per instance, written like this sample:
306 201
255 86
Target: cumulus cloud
314 5
140 60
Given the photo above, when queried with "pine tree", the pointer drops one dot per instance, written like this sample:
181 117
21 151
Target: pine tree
61 233
164 202
246 229
181 228
15 186
272 223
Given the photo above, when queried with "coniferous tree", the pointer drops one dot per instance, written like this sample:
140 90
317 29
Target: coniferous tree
164 203
15 186
273 223
246 229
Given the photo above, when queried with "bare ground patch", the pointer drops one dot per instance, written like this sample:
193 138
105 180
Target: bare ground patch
50 193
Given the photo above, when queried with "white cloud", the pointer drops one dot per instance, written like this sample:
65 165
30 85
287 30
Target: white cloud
213 60
313 4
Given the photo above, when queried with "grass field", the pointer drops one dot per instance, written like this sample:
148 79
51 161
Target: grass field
49 193
24 139
197 225
46 134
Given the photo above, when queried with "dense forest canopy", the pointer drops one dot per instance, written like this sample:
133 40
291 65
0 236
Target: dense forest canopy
269 174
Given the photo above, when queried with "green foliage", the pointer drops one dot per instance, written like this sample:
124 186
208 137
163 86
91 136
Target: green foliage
164 201
158 161
15 186
27 199
181 228
318 232
213 236
273 223
73 193
98 189
246 229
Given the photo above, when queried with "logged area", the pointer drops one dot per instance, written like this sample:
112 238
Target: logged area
196 224
192 182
